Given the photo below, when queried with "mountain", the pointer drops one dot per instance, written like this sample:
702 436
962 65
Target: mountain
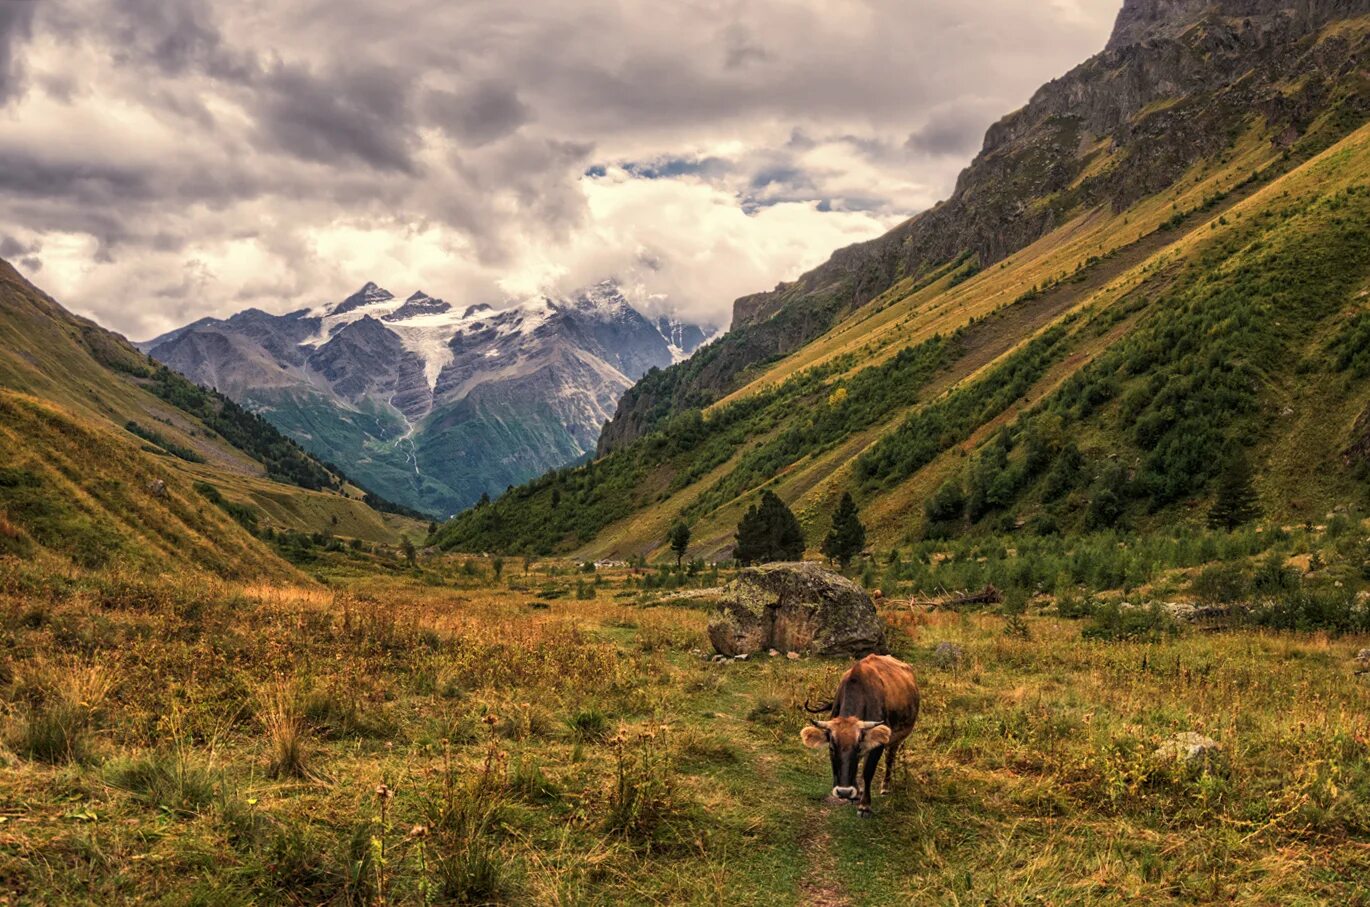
431 406
113 462
1157 265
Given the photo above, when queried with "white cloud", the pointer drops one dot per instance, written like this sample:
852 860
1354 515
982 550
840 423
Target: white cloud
160 162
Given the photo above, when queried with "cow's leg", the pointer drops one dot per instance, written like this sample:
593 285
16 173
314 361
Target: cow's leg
868 776
891 753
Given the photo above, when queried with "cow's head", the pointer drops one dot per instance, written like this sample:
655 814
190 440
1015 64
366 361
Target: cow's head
847 740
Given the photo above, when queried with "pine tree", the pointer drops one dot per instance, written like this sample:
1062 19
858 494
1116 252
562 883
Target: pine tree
768 532
750 538
407 548
848 536
679 539
1237 502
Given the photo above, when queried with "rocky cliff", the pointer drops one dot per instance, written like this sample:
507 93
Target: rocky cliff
1178 83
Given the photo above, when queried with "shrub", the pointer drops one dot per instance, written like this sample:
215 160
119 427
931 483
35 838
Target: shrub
1111 621
1221 584
1331 609
1273 577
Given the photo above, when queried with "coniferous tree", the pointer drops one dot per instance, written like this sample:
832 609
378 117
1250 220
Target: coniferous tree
750 538
679 539
847 537
768 532
1236 502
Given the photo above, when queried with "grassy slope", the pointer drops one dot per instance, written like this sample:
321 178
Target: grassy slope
1110 271
623 769
60 370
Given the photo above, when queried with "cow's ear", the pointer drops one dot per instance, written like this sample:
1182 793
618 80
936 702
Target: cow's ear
814 737
878 735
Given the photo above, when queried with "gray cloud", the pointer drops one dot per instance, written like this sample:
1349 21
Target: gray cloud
201 156
478 116
16 22
13 248
360 113
957 129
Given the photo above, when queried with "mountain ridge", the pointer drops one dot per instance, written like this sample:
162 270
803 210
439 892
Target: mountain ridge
112 462
1172 85
893 373
435 407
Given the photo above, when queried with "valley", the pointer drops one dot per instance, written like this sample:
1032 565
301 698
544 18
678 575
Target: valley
1109 272
394 600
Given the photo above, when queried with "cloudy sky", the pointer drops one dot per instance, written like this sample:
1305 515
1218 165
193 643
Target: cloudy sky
162 160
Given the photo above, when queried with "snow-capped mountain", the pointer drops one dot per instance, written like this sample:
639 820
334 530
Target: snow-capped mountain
429 403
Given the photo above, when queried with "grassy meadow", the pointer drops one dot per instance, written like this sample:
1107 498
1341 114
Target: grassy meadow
553 736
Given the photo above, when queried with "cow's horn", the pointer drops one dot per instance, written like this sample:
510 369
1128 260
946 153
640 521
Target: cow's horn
825 725
867 725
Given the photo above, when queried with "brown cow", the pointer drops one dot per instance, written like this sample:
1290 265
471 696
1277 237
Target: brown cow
873 712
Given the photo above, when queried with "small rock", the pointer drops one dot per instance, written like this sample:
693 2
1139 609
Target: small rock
743 657
948 655
1189 748
772 652
719 659
157 488
792 656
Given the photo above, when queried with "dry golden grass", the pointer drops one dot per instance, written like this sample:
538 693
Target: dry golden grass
478 742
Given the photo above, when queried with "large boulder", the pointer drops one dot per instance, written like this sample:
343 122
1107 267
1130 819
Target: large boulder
795 607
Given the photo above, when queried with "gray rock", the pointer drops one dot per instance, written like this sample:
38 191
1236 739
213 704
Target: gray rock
795 607
743 657
1188 748
948 655
157 488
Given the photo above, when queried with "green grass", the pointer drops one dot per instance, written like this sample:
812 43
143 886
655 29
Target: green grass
1145 363
389 741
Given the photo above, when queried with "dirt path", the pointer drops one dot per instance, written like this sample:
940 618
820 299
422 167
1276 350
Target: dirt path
819 887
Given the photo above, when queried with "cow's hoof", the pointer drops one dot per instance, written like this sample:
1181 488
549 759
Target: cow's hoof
863 812
884 791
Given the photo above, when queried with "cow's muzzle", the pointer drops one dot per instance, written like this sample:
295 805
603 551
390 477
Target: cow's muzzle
845 793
